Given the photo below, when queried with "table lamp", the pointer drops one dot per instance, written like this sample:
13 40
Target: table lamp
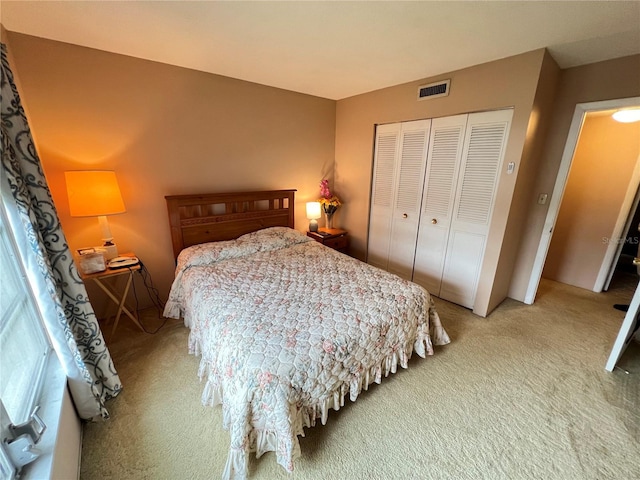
96 194
313 214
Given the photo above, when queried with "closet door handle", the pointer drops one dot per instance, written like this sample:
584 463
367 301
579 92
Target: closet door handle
434 221
404 215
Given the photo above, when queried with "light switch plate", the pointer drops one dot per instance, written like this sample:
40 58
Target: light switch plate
542 198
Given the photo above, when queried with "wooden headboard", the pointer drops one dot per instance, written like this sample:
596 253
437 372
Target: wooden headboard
214 217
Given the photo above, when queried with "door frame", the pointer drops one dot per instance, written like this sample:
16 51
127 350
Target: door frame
561 181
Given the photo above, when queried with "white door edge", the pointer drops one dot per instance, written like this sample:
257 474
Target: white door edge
625 333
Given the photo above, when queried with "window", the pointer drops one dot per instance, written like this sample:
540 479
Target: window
24 346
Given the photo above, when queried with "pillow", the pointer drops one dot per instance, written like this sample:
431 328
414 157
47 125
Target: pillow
198 255
273 238
213 252
265 240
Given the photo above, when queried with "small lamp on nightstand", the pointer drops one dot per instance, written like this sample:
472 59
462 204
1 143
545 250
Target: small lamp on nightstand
96 194
313 214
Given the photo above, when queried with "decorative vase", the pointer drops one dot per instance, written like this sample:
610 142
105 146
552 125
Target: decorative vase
328 220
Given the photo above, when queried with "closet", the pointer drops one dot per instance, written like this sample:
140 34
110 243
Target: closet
433 190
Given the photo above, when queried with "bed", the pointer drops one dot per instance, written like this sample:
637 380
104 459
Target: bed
286 327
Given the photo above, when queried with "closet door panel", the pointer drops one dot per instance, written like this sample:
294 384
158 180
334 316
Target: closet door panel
485 140
379 241
480 173
429 258
443 162
402 247
464 258
382 194
406 216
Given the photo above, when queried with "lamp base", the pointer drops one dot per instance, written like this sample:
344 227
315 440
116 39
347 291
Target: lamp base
313 226
111 251
107 238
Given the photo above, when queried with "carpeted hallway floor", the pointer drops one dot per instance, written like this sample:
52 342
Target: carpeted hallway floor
522 394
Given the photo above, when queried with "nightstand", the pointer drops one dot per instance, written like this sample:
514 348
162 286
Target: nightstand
118 298
333 238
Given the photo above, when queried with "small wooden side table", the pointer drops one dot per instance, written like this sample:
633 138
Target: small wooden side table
118 298
333 238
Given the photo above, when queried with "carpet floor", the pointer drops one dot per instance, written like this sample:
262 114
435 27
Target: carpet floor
522 394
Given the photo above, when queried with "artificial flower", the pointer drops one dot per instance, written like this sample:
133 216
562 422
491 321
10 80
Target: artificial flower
330 202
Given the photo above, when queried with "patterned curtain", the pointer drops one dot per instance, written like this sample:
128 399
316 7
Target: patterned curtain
70 320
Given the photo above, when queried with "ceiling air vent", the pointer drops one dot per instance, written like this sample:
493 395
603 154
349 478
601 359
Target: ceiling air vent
434 90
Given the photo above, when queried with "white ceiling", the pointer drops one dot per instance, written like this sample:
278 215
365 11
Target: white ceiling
335 49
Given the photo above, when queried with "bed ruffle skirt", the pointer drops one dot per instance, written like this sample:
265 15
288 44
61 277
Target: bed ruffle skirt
261 439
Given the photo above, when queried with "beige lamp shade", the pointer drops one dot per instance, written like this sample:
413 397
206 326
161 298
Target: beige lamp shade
93 193
313 213
313 210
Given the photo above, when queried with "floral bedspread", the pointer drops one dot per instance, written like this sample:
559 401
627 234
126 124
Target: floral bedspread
286 327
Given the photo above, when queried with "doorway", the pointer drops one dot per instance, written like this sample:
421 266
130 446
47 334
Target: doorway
552 217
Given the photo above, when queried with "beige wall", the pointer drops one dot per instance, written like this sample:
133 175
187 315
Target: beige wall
612 79
511 82
524 197
168 130
165 130
601 169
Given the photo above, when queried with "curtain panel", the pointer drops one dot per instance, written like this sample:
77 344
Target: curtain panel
68 314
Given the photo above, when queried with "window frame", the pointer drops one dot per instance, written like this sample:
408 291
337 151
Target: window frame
12 240
27 296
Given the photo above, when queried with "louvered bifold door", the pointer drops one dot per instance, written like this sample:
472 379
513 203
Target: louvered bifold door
382 193
483 154
443 162
412 160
